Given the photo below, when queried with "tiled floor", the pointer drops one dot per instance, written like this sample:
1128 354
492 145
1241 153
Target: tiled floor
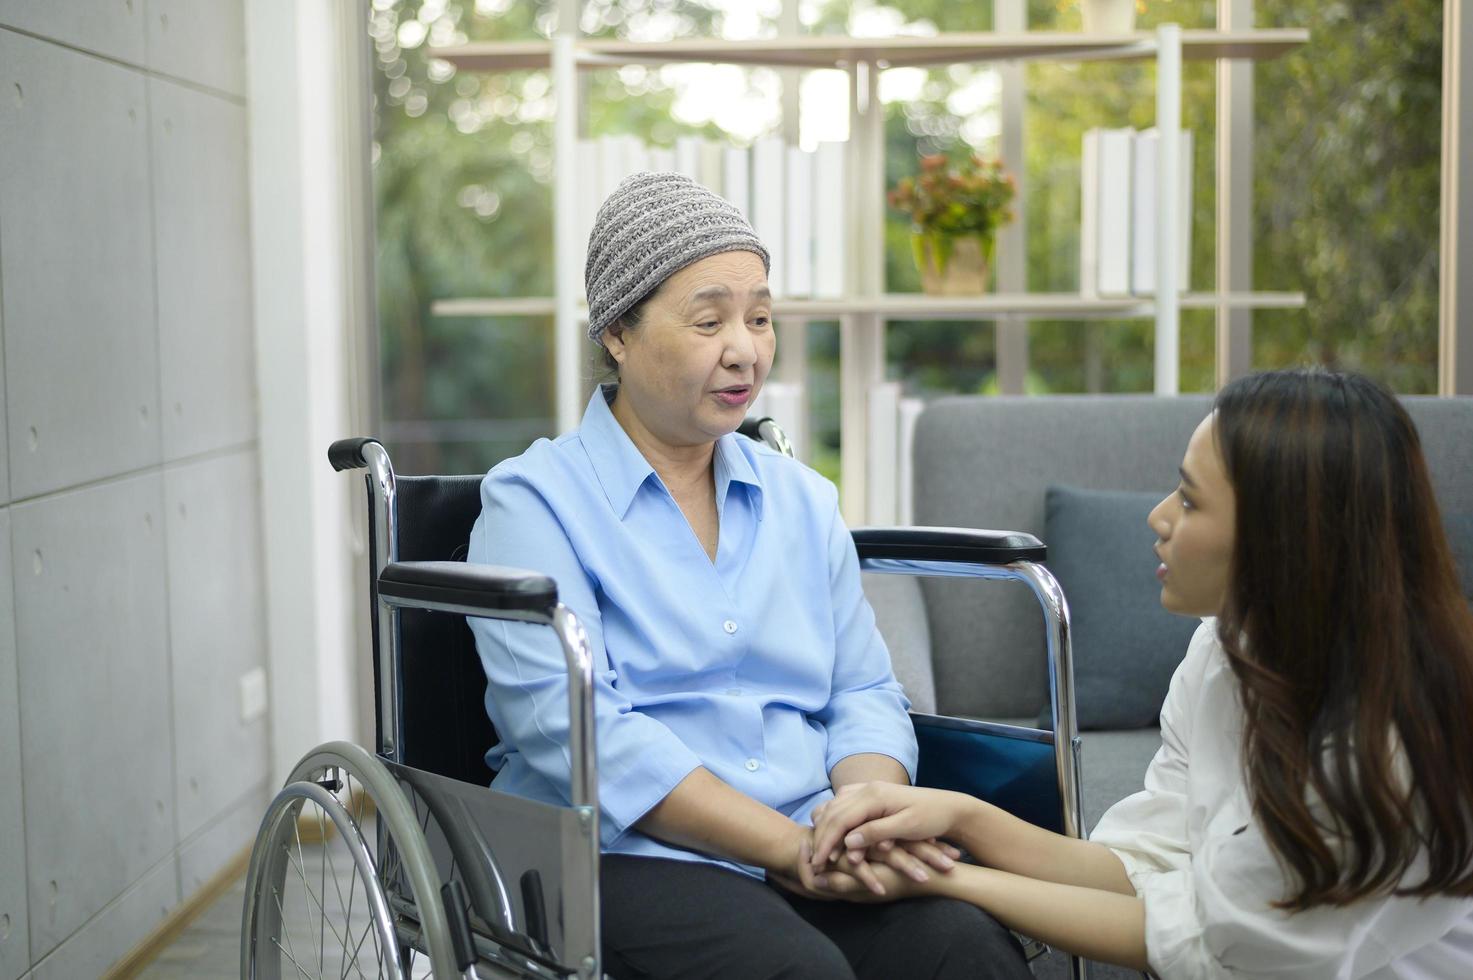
209 948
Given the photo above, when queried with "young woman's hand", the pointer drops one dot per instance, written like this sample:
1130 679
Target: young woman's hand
859 818
916 860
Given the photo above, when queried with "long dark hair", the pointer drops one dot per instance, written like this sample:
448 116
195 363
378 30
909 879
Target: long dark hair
1351 640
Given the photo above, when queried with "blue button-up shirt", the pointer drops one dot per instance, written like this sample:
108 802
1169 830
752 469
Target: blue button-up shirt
765 667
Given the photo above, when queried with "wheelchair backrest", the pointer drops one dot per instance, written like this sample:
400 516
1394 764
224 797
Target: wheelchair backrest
443 688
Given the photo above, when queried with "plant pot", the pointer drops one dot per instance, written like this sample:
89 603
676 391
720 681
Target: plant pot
952 266
1108 16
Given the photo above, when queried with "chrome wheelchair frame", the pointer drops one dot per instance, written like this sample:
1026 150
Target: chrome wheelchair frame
435 883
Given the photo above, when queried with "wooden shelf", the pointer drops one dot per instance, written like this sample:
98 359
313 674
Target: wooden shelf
1040 306
890 52
917 306
516 306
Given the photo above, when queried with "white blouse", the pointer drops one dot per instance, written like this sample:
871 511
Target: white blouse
1208 877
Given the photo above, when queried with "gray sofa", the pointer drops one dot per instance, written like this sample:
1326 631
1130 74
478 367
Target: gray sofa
976 648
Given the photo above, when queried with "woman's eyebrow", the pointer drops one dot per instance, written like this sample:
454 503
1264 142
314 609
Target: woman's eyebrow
1185 478
707 293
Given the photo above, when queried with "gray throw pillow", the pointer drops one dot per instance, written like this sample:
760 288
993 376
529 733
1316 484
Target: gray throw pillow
1126 647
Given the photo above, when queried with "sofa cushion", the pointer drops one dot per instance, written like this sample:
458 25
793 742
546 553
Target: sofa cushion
1125 645
900 615
1460 539
1113 766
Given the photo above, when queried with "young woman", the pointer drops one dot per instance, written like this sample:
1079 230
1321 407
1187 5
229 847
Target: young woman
1310 812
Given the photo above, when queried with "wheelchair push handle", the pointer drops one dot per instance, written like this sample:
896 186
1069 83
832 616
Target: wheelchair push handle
347 454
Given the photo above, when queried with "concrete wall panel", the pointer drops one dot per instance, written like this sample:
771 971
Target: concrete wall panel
81 357
15 952
216 631
110 27
4 429
201 42
206 359
231 831
115 930
96 747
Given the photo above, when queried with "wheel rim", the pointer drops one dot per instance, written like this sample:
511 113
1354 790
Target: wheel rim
319 903
340 883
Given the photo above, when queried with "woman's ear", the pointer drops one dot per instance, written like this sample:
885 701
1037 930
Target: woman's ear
613 338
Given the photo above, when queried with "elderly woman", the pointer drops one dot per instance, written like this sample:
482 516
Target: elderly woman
740 677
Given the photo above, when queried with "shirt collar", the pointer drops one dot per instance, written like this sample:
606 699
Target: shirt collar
622 469
619 465
733 466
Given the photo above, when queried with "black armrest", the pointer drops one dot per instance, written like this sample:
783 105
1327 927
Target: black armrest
487 589
347 454
959 544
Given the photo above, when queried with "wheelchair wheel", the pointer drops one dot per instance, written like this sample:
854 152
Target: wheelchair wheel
341 882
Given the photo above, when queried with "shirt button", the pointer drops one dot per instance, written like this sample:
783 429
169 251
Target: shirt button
752 765
730 626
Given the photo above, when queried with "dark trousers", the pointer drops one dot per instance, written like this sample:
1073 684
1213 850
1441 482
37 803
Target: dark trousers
681 919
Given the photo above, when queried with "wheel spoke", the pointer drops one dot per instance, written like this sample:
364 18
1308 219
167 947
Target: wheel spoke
330 865
322 889
347 779
378 949
289 956
320 910
301 866
353 888
357 948
285 930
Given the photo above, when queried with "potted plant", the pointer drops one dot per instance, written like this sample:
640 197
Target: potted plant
955 209
1109 16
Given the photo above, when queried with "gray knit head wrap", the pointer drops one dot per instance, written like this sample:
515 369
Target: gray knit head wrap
651 227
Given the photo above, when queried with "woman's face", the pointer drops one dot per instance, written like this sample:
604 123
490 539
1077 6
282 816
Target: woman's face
691 368
1195 526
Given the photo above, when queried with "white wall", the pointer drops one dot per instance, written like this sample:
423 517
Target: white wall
134 532
307 321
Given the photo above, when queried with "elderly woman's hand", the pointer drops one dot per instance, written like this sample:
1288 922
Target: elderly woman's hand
851 881
801 878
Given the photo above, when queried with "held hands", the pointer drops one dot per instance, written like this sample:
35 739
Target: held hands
865 881
881 839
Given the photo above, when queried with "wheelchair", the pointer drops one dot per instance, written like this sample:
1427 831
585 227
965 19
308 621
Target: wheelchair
402 862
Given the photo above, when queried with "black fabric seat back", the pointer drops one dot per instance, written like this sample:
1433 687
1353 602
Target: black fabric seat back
446 730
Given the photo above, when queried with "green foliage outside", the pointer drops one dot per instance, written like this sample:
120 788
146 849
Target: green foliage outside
1346 191
1348 188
